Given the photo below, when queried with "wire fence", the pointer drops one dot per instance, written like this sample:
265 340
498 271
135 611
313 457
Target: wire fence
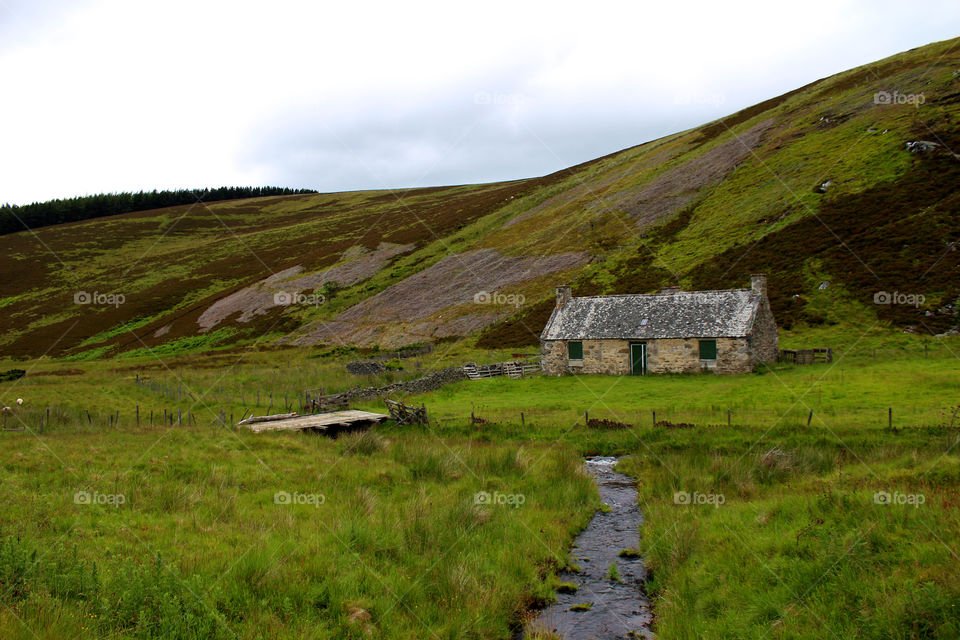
183 402
57 417
42 419
929 348
868 417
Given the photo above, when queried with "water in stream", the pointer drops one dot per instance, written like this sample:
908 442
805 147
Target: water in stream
620 608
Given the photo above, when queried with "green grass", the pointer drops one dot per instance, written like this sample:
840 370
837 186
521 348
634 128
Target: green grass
855 391
781 536
567 587
387 535
797 545
613 574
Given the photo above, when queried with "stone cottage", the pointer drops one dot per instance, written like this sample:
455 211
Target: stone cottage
673 331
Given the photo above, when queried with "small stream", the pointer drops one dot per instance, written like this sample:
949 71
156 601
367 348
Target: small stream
620 609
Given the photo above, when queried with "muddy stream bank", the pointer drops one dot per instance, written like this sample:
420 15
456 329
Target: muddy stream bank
618 607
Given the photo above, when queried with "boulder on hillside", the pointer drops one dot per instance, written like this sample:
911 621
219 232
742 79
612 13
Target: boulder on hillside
365 368
922 146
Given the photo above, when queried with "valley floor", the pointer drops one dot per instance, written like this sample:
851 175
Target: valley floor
780 524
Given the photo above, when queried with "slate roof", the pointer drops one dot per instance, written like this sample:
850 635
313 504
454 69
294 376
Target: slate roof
688 314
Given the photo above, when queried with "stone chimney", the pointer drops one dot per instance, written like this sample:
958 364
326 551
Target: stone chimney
563 296
758 284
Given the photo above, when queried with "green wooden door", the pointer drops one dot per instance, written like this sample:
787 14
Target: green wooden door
638 358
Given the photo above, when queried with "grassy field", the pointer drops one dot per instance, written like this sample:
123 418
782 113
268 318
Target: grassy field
208 533
772 527
769 527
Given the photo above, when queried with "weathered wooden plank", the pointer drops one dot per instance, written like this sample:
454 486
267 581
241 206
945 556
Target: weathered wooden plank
321 421
276 416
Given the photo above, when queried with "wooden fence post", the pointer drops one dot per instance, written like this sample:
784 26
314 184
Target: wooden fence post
890 417
654 417
810 417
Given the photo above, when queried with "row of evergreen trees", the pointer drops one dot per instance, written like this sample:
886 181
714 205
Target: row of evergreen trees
41 214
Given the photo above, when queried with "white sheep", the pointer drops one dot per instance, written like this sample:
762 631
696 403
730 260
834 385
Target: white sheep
20 401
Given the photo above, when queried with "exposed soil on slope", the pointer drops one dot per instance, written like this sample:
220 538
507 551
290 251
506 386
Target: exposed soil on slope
258 298
452 281
680 186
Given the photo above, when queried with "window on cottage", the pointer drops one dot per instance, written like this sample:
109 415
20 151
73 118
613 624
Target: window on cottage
708 349
575 350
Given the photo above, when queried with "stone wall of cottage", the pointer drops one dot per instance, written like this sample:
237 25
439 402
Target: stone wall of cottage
666 355
764 340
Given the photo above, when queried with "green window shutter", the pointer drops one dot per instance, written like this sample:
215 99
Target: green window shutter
575 350
708 349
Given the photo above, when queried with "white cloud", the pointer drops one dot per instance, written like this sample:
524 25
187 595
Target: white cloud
112 95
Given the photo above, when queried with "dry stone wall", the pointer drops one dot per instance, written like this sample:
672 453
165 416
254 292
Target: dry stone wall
429 382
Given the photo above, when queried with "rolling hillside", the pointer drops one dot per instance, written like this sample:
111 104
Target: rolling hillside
843 191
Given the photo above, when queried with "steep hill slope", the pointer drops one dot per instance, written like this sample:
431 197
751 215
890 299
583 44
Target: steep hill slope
850 181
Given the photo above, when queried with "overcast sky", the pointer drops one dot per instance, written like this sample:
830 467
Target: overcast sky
104 95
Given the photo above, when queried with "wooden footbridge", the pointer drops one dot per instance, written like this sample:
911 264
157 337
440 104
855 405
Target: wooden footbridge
322 422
